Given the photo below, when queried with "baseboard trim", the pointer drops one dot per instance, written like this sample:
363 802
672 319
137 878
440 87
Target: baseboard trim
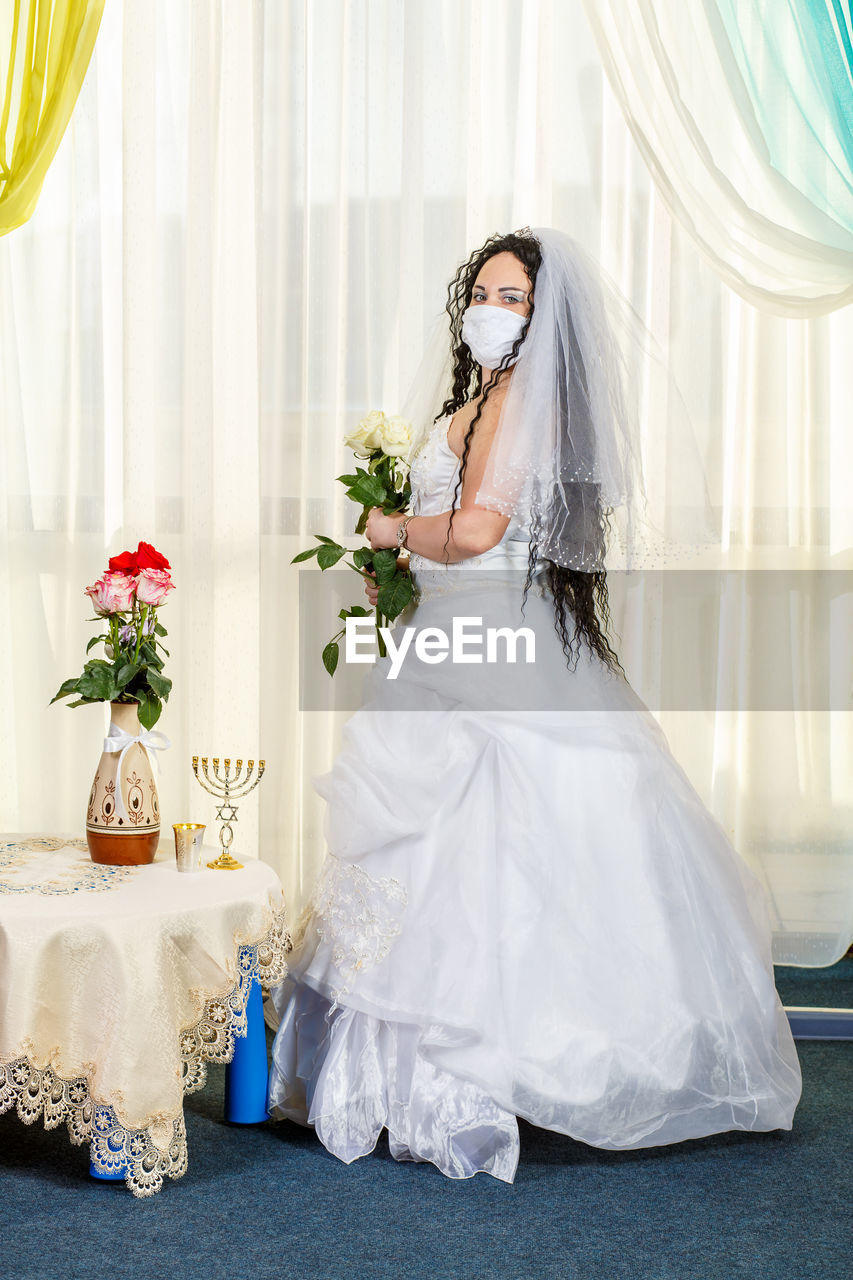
809 1023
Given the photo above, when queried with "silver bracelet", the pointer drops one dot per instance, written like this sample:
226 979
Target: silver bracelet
401 533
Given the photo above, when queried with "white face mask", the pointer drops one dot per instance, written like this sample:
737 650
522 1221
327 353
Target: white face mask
489 332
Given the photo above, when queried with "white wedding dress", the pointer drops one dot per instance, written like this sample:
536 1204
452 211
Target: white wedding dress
525 910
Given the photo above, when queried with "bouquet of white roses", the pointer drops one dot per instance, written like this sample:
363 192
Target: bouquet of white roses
384 443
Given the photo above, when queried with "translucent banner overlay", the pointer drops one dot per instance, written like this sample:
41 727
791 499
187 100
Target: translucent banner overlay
689 640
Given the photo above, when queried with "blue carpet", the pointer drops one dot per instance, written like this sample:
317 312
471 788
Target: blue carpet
827 988
270 1201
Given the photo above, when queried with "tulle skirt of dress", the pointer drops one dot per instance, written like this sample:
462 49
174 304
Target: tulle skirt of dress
525 910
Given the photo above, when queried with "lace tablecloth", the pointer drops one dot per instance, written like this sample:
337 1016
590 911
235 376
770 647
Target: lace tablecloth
118 985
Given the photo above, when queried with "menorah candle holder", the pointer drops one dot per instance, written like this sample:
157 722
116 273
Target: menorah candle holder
227 789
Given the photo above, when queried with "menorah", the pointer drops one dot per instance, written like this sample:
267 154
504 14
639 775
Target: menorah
227 789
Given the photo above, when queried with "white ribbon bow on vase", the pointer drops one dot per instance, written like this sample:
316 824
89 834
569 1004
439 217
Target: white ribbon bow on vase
118 740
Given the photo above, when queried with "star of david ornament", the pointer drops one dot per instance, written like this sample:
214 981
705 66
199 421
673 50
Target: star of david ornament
227 787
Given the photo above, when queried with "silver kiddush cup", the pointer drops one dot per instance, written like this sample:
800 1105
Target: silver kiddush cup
188 842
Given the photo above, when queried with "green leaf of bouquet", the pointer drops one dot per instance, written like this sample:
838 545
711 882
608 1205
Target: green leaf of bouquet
305 555
357 611
361 525
159 629
362 556
328 556
369 491
384 565
347 480
84 702
395 595
331 653
149 709
94 641
329 542
67 686
160 684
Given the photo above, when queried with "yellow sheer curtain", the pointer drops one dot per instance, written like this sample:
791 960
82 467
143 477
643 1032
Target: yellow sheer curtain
49 44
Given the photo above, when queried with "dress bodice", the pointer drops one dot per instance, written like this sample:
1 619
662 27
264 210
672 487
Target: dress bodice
434 474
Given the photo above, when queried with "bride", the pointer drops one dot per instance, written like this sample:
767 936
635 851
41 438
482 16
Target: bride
525 909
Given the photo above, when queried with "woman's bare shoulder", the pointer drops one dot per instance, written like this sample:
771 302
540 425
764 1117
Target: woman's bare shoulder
461 420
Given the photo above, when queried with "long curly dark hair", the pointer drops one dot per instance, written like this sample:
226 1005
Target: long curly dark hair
579 597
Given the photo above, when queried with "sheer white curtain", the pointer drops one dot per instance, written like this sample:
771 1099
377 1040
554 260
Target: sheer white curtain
244 236
130 403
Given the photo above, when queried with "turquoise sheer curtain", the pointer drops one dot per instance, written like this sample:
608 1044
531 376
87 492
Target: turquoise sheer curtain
794 59
834 26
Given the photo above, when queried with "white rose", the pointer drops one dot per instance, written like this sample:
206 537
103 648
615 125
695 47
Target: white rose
396 437
368 433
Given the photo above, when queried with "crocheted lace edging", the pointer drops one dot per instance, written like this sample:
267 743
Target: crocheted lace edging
39 1091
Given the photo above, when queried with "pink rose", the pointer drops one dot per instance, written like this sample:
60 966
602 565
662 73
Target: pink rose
94 596
153 585
112 593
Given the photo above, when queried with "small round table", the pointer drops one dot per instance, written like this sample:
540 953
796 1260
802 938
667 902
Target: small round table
119 985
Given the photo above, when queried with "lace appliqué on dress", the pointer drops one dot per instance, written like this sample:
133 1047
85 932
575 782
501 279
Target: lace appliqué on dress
359 917
423 462
429 577
35 1091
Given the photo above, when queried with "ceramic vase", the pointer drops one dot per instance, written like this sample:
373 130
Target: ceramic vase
128 838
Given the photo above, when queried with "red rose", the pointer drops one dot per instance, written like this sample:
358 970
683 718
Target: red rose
147 557
125 563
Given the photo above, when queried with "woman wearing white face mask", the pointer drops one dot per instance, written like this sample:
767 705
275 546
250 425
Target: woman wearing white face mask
495 318
489 329
526 910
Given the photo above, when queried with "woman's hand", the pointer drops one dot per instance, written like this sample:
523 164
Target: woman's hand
381 530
